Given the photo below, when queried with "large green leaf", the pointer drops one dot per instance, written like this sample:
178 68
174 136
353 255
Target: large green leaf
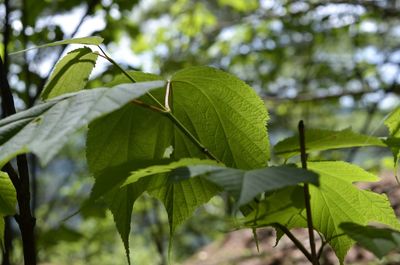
379 241
336 201
8 197
319 140
243 185
94 40
393 141
221 111
71 73
45 128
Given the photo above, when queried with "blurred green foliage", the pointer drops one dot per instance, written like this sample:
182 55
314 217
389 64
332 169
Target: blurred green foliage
333 64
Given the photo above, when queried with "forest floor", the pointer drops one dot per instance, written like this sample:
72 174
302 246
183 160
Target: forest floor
239 248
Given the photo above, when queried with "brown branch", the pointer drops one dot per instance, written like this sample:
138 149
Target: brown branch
25 219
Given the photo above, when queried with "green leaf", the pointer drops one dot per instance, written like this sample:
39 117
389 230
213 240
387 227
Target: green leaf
243 185
182 198
120 203
71 73
224 113
94 40
2 226
167 168
8 197
336 201
221 111
45 128
392 122
319 140
379 241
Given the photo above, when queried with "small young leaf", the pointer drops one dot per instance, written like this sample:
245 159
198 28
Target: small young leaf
45 128
71 73
94 40
319 140
379 241
8 197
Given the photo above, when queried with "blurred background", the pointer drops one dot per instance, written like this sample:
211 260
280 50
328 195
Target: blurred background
334 64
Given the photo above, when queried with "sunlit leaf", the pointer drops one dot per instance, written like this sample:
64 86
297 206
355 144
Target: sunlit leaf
335 201
71 73
8 197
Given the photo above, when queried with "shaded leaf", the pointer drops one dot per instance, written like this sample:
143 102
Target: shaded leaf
45 128
182 198
71 73
319 140
63 233
379 241
94 40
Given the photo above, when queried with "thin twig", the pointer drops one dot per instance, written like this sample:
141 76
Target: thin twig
295 241
147 106
307 198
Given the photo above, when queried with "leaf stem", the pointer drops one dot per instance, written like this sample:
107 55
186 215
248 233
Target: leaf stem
105 56
182 127
314 257
164 109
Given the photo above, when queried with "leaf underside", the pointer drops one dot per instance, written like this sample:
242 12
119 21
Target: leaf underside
379 241
44 129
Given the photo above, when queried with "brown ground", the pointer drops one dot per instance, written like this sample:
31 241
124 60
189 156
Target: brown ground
238 248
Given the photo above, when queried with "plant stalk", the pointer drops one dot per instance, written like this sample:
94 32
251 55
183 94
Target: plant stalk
314 256
24 219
